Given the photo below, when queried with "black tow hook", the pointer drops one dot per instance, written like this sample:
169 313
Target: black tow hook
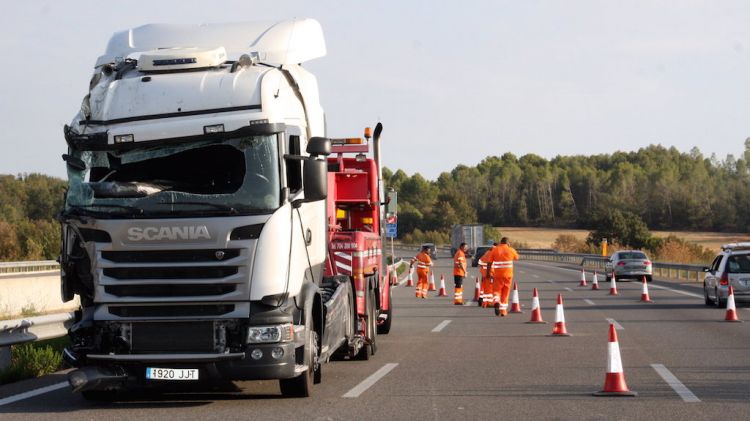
97 378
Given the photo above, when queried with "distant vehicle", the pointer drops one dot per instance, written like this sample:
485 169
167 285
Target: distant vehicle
730 267
480 252
433 249
471 234
629 264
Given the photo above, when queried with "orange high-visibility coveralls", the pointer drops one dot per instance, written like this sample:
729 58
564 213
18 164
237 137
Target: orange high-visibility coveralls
501 261
459 273
424 262
486 291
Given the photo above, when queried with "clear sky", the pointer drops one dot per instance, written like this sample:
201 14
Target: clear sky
452 82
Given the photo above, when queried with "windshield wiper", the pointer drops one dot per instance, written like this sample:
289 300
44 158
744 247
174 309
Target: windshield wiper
86 208
211 204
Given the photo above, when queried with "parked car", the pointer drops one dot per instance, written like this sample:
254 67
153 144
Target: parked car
433 249
480 252
629 264
730 267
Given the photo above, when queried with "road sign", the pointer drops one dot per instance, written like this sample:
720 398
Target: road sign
391 219
390 230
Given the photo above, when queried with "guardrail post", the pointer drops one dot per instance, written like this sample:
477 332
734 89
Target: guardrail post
4 357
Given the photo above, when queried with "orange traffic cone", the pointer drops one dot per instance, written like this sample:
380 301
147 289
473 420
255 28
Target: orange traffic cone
477 290
614 381
536 312
515 305
410 282
731 308
559 329
594 282
431 287
644 292
441 291
613 285
583 278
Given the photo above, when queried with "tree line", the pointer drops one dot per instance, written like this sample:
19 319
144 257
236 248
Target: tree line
28 228
619 196
653 188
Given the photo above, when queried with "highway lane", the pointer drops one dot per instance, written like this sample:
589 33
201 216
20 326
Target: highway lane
479 365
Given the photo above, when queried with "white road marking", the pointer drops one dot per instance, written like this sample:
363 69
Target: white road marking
551 281
617 325
32 393
689 294
368 382
589 302
568 289
535 275
440 327
675 383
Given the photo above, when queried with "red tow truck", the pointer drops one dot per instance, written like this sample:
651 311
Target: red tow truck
355 232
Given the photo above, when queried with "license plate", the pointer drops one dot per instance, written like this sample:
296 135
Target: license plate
153 373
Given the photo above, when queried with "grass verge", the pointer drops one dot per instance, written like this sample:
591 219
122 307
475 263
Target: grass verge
34 359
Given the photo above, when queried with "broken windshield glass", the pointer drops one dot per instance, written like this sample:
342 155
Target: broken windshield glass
239 175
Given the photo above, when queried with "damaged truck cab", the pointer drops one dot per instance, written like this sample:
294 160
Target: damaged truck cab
194 226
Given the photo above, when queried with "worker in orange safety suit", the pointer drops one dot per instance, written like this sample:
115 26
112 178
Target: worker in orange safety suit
424 262
501 263
485 294
459 273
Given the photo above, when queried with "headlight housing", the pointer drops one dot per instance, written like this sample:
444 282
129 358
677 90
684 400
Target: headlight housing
270 334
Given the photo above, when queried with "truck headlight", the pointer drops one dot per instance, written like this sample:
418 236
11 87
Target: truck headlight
270 334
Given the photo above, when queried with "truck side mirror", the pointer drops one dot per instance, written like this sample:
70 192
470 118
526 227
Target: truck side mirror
317 146
315 178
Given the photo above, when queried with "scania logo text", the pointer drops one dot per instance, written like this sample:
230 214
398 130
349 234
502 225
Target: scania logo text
199 232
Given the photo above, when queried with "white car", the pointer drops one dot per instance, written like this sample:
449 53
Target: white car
730 267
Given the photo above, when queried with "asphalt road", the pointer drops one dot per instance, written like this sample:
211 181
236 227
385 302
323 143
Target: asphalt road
447 362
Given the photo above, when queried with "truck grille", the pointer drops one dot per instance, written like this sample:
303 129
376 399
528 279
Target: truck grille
170 290
170 256
202 310
172 337
203 272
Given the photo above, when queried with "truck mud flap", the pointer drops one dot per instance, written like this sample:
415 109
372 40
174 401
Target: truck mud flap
339 326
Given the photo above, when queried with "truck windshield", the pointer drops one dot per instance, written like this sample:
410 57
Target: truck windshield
232 177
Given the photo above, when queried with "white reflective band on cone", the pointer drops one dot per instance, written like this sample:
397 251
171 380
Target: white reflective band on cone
559 314
614 363
535 303
730 302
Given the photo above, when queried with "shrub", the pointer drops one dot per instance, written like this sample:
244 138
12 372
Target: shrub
34 360
29 361
676 250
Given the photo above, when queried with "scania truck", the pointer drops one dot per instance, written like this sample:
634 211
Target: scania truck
205 228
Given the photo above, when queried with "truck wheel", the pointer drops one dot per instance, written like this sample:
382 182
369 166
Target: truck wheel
302 385
386 326
371 329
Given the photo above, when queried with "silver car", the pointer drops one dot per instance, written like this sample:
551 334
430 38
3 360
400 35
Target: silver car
730 267
629 264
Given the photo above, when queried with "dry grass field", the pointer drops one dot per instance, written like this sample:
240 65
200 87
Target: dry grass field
544 237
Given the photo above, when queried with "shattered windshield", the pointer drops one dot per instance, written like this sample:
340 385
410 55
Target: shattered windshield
235 176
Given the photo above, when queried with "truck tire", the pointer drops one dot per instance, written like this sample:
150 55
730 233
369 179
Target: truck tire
384 328
372 330
302 385
100 395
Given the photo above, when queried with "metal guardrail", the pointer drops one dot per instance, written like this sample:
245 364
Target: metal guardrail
692 273
18 331
34 266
